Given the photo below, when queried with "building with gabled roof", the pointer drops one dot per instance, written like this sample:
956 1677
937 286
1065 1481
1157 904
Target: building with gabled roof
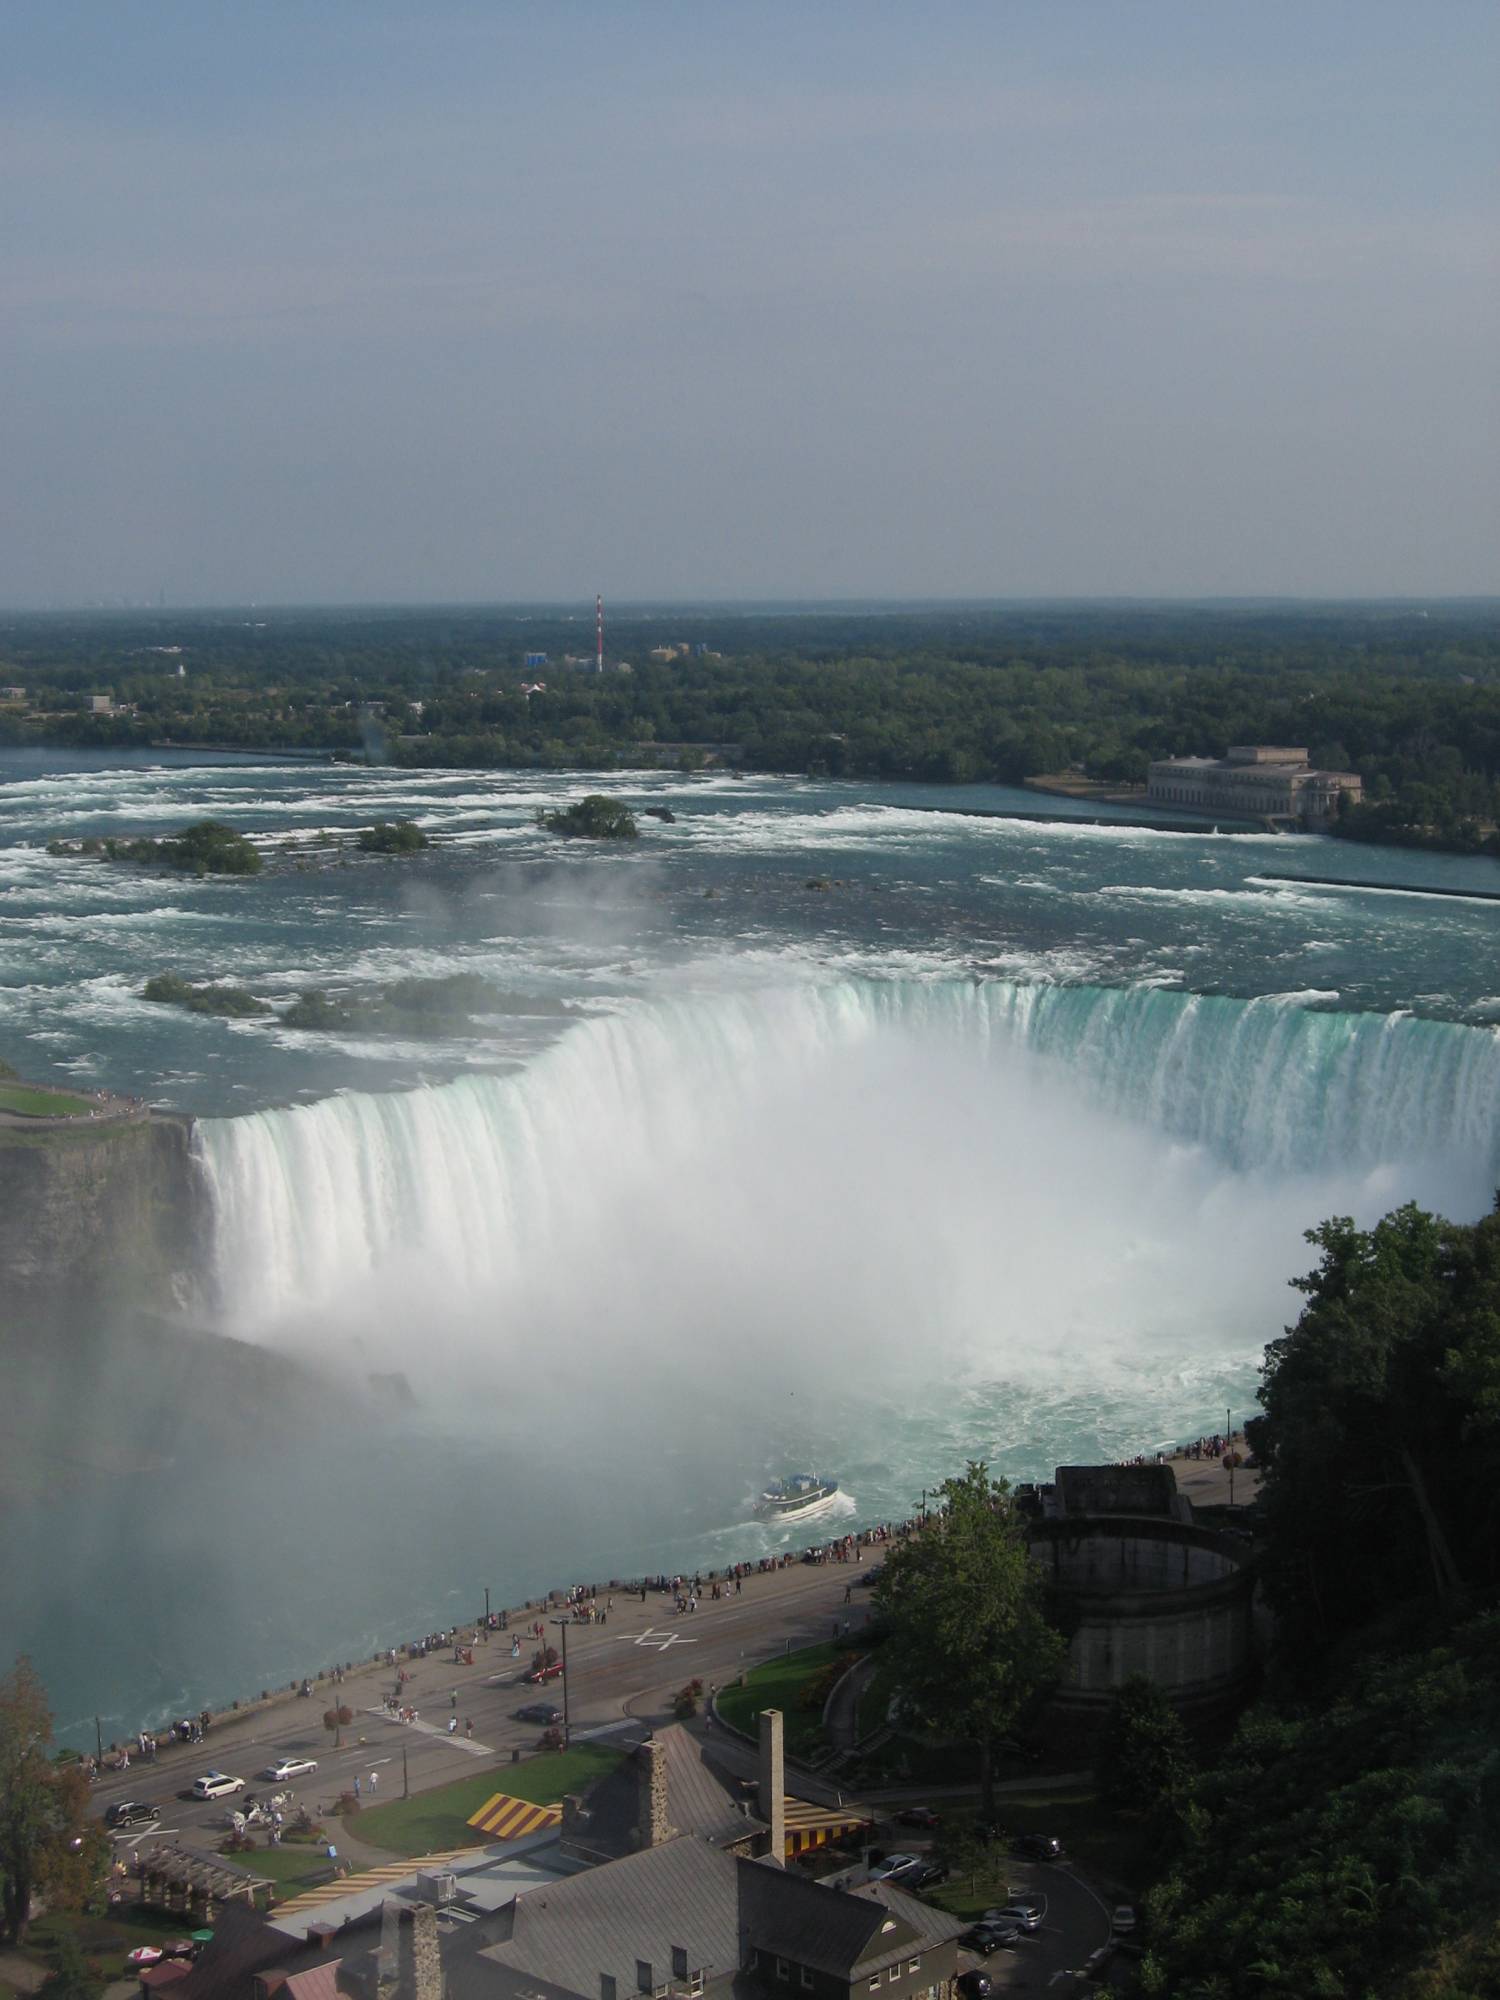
686 1918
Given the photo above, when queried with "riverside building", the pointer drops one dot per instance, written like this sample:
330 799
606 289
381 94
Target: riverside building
1267 781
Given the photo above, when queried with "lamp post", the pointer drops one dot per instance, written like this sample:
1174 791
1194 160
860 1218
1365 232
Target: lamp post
567 1721
486 1614
1229 1450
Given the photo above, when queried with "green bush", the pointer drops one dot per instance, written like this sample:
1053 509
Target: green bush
596 817
402 836
166 989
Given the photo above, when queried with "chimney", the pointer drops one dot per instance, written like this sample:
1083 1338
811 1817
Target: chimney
388 1965
410 1965
652 1823
772 1785
426 1957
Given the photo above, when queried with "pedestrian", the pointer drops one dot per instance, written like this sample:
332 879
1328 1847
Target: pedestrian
452 1724
848 1592
453 1699
468 1725
356 1784
374 1781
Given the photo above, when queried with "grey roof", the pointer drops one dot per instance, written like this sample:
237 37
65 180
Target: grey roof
812 1924
932 1926
603 1921
701 1799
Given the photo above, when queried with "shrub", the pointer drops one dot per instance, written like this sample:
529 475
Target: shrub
402 836
596 817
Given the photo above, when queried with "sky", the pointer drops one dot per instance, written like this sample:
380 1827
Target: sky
339 300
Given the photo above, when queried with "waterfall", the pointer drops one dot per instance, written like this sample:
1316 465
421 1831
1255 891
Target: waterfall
482 1177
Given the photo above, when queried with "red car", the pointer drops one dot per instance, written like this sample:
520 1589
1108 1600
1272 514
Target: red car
919 1816
540 1674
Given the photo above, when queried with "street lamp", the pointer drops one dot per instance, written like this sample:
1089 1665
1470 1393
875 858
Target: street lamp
567 1724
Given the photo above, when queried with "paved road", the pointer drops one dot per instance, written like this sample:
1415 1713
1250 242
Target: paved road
630 1668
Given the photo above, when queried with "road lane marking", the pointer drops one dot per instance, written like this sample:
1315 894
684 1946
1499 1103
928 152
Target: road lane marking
659 1641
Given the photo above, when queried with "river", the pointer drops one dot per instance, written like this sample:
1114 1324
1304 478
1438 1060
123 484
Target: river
815 1127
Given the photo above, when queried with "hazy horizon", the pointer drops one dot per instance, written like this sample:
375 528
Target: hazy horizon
642 608
502 304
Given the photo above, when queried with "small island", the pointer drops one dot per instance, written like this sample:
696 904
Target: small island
233 1003
596 817
208 847
400 836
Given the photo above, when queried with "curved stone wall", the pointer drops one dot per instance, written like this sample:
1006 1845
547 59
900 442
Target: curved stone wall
1156 1598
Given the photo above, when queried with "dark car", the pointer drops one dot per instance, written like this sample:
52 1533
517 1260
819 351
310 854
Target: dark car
974 1984
131 1812
539 1711
986 1938
1040 1846
919 1816
928 1876
871 1576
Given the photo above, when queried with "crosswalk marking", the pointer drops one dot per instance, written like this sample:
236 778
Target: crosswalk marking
432 1729
367 1878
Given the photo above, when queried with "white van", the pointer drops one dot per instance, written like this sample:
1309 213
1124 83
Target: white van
215 1785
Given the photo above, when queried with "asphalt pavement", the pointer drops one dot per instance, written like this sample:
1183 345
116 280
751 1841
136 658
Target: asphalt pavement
628 1669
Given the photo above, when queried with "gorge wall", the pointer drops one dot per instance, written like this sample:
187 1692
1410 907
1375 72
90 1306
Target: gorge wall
99 1215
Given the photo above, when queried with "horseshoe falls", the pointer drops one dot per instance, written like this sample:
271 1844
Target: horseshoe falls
995 1138
1089 1141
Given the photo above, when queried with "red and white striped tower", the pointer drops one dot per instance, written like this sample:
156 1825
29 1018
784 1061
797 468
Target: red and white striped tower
599 635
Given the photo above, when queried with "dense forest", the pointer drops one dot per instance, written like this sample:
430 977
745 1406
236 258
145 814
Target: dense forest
1408 697
1347 1840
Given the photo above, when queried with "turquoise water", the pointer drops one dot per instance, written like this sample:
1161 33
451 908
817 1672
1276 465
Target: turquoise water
1000 1139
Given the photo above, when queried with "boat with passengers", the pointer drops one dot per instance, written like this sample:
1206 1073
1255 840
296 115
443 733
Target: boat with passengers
798 1494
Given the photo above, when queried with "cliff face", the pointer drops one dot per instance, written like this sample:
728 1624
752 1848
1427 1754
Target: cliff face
108 1213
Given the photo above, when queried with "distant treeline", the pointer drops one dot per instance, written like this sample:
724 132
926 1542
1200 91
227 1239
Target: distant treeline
1410 699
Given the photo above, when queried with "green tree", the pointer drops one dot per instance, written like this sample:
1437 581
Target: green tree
70 1977
1143 1762
336 1721
1381 1434
401 836
595 817
963 1603
968 1852
47 1844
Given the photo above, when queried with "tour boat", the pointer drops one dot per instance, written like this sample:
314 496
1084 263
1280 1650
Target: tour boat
798 1495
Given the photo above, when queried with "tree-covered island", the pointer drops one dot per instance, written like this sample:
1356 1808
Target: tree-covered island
595 817
1407 696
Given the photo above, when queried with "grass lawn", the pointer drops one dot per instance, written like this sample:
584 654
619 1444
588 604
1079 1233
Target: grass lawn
31 1103
433 1821
778 1683
293 1867
1108 1849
